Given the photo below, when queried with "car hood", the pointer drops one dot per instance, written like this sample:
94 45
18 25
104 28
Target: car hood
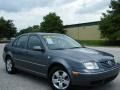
83 54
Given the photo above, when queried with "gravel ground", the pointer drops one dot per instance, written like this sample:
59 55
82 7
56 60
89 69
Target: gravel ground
24 81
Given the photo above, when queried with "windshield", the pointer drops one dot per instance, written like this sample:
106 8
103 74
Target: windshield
60 42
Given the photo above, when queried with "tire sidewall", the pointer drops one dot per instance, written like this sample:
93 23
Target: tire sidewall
51 74
12 69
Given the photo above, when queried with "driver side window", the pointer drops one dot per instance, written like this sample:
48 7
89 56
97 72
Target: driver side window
34 41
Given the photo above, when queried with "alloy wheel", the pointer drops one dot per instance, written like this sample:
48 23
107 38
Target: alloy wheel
9 65
60 79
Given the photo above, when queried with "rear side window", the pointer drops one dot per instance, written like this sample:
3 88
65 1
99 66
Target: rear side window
22 42
15 43
34 41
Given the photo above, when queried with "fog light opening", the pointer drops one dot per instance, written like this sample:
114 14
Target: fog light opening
76 74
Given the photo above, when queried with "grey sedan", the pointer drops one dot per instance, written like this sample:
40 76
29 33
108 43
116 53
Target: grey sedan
60 59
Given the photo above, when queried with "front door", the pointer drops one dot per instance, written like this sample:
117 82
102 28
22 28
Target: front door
36 59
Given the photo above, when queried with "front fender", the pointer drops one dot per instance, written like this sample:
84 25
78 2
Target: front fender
62 62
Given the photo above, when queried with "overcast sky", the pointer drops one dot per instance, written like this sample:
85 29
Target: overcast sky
26 13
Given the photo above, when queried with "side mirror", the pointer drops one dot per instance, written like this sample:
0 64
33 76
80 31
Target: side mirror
38 48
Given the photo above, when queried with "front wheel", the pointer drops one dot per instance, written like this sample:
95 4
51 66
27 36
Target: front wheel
59 79
10 66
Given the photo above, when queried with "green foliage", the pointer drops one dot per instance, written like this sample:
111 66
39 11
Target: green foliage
110 22
5 41
92 42
99 42
7 28
35 28
52 24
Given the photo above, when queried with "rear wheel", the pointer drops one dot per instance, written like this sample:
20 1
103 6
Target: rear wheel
59 79
10 66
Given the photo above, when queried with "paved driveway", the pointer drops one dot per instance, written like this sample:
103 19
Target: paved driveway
24 81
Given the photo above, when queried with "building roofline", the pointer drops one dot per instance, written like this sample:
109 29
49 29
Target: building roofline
82 24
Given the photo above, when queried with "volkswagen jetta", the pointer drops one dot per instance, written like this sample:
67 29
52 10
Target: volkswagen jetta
60 59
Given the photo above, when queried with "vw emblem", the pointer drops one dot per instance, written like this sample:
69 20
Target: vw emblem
110 63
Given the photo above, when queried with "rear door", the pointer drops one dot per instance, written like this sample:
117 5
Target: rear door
19 51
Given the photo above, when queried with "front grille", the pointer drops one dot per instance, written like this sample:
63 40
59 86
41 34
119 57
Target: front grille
108 63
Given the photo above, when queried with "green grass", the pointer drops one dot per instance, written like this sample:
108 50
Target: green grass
4 41
99 42
91 42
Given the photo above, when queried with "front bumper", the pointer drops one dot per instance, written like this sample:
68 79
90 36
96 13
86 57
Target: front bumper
90 79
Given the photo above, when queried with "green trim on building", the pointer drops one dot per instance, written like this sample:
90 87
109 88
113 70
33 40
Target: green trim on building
82 24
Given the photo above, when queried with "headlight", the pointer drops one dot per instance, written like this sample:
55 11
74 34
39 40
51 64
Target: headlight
91 65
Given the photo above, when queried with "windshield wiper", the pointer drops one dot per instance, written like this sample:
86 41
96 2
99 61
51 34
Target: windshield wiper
59 49
75 47
65 48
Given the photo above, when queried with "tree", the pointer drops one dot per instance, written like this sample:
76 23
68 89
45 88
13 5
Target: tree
110 22
52 24
35 28
7 28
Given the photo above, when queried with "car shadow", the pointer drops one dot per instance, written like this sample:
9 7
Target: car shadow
99 87
34 78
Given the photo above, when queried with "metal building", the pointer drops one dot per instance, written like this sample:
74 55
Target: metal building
84 31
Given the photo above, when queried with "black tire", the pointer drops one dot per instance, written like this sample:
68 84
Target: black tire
12 69
50 77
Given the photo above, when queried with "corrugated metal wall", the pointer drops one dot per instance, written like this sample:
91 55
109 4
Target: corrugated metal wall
84 32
